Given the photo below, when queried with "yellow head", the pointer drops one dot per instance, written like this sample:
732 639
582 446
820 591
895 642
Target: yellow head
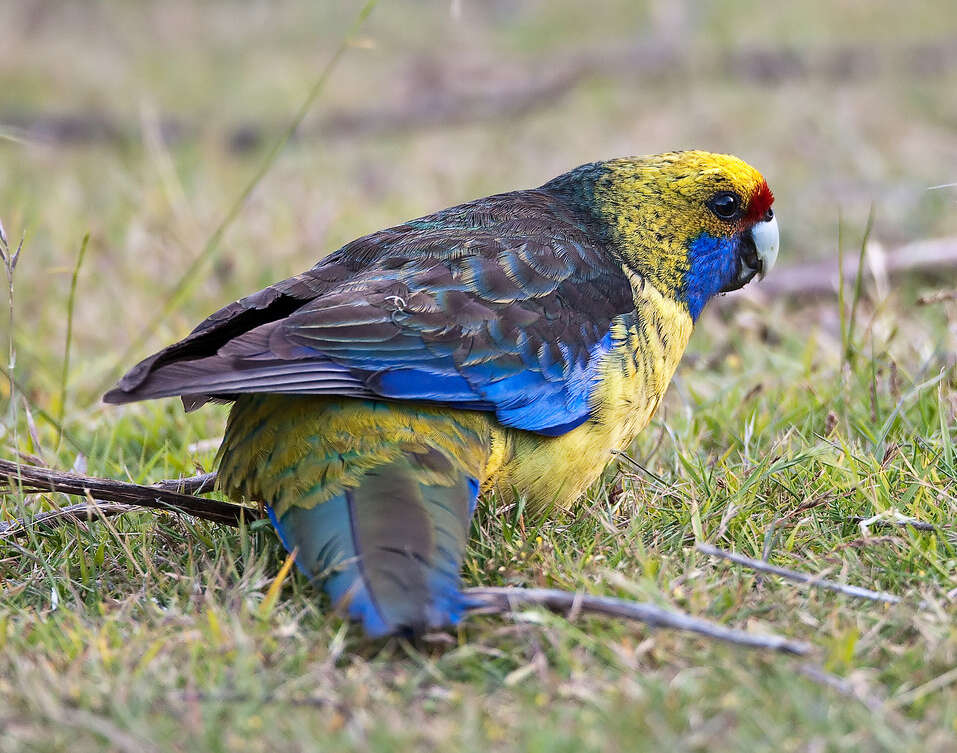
693 223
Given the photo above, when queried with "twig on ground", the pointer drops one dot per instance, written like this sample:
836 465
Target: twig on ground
66 718
890 518
938 297
938 683
670 488
506 600
866 542
820 278
947 532
440 94
840 685
159 497
798 577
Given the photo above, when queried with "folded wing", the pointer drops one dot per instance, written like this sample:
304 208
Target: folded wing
503 307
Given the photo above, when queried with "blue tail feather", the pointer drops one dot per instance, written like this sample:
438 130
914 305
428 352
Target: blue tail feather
389 551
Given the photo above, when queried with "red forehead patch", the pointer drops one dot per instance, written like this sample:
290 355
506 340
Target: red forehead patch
760 203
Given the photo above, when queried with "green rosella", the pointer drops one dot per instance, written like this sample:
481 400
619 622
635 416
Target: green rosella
514 342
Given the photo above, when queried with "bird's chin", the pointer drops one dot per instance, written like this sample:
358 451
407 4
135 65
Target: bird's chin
750 264
743 278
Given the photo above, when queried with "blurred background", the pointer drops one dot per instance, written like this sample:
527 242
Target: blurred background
140 123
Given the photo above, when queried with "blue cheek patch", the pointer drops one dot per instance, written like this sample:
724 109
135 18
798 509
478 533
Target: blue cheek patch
712 264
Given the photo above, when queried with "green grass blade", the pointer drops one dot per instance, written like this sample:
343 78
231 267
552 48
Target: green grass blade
858 280
71 302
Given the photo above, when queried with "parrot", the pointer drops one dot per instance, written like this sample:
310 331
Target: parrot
510 343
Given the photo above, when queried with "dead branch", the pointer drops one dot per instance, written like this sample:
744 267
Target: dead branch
33 479
203 483
798 577
840 685
938 297
821 278
434 92
509 600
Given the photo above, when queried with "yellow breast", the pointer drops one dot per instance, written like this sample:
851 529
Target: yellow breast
633 379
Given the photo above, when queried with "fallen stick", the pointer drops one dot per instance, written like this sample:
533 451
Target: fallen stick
938 297
840 685
442 94
821 278
510 600
798 577
917 525
162 496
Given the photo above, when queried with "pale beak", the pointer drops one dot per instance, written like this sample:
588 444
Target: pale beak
766 241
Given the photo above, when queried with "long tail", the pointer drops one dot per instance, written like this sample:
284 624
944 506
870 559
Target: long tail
390 550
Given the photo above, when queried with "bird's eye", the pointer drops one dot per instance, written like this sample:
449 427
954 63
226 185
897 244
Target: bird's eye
725 205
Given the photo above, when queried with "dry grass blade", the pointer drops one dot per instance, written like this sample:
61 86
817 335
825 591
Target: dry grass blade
506 600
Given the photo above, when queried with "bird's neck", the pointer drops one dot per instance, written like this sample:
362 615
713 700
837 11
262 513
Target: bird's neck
650 298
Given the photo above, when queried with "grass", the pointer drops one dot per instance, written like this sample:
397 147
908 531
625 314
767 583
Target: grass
788 423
